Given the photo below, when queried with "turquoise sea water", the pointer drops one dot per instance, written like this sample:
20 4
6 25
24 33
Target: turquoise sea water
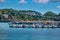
7 33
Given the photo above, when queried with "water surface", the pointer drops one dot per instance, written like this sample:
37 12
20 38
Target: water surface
7 33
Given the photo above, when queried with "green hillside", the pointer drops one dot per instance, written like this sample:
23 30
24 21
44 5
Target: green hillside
27 15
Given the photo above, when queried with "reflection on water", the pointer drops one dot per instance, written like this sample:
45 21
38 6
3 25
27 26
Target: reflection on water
29 34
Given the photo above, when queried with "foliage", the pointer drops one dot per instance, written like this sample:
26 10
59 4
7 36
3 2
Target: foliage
28 15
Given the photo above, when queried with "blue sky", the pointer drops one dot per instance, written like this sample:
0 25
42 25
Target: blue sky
36 5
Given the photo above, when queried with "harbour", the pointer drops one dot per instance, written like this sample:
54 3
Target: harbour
34 24
29 20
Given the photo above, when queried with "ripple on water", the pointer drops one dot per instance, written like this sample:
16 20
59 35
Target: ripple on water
7 33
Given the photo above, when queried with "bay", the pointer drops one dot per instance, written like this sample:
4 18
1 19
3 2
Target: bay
7 33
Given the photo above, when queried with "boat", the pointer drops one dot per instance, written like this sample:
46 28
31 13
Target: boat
32 25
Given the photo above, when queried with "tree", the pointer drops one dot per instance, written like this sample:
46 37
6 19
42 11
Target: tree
59 15
49 15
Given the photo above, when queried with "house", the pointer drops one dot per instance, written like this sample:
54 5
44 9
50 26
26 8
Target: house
5 16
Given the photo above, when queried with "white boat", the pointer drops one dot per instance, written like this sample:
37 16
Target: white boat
50 26
31 25
20 25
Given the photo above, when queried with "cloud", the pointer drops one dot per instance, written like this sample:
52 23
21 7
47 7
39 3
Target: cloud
2 0
41 1
58 6
54 0
22 1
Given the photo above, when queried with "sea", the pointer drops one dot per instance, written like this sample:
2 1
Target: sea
7 33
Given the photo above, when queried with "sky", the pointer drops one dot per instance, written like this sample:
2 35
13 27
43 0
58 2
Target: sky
41 6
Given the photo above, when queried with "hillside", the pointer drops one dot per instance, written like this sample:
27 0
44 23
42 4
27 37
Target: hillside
26 15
